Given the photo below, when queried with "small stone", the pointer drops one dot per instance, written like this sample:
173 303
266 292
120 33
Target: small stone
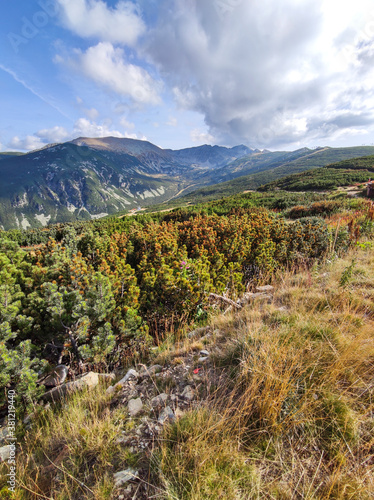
131 374
204 352
159 401
167 415
265 288
148 372
135 406
188 393
202 359
122 477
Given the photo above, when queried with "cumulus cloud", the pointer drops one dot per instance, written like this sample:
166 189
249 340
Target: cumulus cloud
28 143
201 137
107 66
268 73
86 128
95 19
82 128
51 135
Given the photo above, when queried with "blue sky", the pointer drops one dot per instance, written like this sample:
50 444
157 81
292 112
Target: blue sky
181 73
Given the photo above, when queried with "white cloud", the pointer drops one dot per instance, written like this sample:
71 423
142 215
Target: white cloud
107 67
82 128
86 128
201 137
54 134
269 73
94 18
29 143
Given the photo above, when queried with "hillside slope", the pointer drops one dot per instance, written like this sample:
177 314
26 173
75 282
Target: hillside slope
253 181
93 177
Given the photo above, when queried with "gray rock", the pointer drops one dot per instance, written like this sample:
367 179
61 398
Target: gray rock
159 401
202 359
124 476
148 372
5 452
135 406
167 415
188 393
56 377
265 288
130 375
89 380
204 352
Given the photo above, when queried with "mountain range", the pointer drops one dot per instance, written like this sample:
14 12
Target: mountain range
89 178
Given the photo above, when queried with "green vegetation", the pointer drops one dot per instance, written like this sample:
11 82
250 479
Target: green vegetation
286 402
301 174
295 419
287 410
321 179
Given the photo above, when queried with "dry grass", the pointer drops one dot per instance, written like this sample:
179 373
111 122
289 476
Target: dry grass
296 412
289 415
71 452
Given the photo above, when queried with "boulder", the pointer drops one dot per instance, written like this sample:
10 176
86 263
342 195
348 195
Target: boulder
87 380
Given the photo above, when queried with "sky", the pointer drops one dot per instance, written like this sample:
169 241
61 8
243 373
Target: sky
274 74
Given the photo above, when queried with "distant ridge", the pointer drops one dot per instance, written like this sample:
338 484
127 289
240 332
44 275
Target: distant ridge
89 178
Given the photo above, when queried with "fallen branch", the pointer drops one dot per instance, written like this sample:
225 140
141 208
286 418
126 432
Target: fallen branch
224 299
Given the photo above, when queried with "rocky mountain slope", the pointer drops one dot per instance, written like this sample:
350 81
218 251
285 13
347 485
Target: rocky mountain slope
89 178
